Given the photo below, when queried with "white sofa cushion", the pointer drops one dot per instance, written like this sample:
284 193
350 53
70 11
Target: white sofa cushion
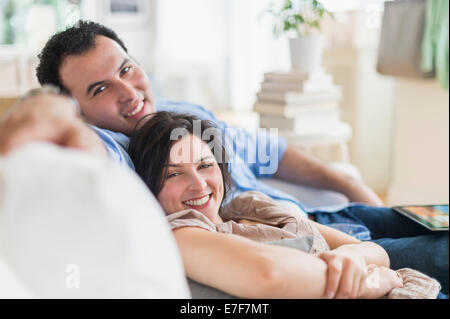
73 225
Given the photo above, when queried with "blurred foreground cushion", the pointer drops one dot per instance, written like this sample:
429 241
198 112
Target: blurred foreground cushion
73 225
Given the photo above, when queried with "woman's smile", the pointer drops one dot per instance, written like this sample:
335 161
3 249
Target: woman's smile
199 203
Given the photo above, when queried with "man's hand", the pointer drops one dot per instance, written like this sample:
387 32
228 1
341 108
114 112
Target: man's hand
46 118
361 193
347 271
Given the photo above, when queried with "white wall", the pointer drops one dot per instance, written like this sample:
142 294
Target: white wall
254 51
368 98
192 51
138 34
421 144
368 107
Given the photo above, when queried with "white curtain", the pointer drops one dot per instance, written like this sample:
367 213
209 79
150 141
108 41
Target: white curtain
215 52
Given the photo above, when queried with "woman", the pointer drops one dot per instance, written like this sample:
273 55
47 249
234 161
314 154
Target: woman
223 247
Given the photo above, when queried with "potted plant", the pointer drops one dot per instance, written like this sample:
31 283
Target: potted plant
300 20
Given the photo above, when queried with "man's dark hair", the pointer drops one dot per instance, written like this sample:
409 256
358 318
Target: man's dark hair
150 147
75 40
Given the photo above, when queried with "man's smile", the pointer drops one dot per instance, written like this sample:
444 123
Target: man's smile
138 108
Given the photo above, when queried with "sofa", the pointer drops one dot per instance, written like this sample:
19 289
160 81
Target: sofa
74 225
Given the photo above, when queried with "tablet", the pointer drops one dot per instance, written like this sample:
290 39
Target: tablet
433 217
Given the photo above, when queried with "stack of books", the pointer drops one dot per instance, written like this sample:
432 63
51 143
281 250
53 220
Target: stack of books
299 102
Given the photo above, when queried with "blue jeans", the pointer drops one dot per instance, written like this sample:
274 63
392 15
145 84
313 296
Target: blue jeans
408 244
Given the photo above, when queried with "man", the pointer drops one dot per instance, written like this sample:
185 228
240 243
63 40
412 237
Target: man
111 89
91 63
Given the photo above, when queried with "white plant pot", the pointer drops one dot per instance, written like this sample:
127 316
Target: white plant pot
307 52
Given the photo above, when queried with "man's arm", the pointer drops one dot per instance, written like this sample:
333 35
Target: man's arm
49 118
299 167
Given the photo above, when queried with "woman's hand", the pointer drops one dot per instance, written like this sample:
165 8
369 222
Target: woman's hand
347 271
379 282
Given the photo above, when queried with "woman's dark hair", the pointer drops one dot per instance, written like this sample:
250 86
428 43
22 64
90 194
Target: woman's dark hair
75 40
150 146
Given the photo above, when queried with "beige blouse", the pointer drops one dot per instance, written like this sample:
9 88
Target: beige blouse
256 216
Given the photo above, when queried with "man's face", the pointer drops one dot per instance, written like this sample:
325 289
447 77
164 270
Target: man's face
113 91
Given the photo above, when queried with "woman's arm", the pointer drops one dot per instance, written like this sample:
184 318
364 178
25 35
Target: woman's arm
248 269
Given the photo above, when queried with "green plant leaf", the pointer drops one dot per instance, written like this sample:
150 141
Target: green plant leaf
315 24
287 26
299 19
297 13
287 5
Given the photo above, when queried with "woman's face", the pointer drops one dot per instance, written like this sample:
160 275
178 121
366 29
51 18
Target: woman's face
193 180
